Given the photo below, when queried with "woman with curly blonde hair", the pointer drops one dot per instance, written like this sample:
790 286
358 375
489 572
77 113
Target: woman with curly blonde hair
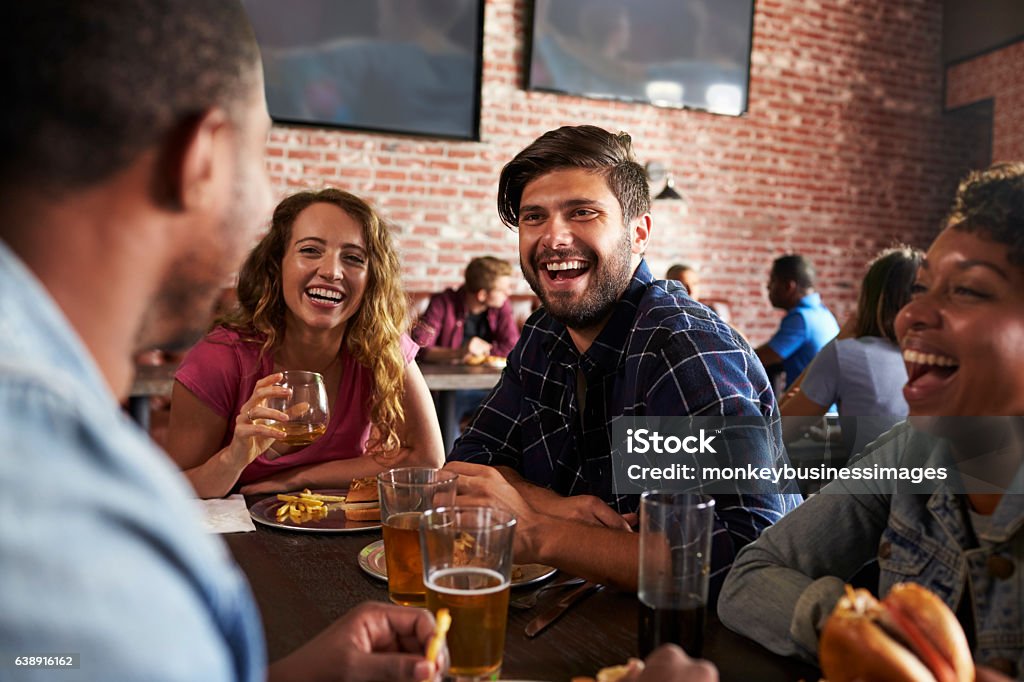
320 292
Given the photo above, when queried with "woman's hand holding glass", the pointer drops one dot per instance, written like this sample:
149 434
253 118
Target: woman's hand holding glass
289 407
254 433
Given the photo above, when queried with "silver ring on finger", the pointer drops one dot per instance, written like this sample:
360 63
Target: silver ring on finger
248 414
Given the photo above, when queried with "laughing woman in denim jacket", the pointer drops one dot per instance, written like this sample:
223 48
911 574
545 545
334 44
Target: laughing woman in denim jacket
962 536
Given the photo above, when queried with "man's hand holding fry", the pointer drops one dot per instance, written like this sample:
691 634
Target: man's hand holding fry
374 641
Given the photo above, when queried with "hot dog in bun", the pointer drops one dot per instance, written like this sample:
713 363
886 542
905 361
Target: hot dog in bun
911 635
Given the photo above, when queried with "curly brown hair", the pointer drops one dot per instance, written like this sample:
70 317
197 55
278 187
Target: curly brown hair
991 203
371 336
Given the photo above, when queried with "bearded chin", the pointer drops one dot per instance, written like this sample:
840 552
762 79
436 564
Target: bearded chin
581 316
609 281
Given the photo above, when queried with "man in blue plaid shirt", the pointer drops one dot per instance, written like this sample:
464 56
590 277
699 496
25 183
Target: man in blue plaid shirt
610 340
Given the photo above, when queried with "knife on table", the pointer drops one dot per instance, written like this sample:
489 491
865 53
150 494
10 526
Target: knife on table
553 613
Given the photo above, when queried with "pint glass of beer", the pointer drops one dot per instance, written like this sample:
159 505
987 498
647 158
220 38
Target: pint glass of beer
675 565
404 495
467 568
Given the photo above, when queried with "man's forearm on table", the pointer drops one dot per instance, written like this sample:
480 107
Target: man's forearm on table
611 558
534 494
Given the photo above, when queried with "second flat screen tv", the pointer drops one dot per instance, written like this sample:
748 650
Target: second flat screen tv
672 53
403 66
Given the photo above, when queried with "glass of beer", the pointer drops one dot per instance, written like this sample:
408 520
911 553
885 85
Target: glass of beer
404 495
675 565
306 408
467 567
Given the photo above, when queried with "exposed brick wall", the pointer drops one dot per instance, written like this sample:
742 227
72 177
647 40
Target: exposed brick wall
998 76
842 151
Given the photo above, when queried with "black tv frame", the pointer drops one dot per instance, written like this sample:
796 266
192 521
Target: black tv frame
528 50
472 136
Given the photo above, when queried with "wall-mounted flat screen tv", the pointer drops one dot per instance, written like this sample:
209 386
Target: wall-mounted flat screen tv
672 53
399 66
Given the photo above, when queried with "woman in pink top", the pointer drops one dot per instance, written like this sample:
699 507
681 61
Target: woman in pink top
320 292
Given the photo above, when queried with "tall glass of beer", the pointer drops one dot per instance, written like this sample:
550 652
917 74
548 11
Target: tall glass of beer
467 568
675 565
404 495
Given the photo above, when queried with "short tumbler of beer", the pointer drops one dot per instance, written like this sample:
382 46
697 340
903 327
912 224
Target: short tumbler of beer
675 564
467 567
404 495
306 407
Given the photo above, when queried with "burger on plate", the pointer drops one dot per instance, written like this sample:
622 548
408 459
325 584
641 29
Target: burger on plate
362 503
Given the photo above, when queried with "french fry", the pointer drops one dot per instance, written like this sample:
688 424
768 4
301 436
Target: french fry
302 509
319 497
333 498
444 622
317 500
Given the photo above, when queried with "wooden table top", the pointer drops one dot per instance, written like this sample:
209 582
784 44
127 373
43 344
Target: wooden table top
443 377
158 380
303 581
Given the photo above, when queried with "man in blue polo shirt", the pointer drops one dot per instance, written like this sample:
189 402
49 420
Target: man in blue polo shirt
808 324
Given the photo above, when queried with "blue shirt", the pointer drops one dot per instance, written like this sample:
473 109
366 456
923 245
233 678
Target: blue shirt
101 549
865 376
802 333
661 354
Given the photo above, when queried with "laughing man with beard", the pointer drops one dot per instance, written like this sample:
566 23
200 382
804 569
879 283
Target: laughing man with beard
609 341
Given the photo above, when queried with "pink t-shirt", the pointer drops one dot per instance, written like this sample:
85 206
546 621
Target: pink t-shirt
222 370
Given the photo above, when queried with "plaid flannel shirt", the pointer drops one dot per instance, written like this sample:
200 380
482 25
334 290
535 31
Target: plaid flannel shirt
661 353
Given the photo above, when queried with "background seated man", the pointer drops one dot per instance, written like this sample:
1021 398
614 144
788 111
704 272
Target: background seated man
687 276
610 341
470 323
474 320
808 324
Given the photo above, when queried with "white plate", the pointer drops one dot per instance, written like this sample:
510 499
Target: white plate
371 560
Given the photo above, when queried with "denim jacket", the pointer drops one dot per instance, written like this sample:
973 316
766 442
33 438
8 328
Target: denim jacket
783 586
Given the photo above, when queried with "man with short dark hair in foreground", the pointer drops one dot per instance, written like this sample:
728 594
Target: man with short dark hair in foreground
132 181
